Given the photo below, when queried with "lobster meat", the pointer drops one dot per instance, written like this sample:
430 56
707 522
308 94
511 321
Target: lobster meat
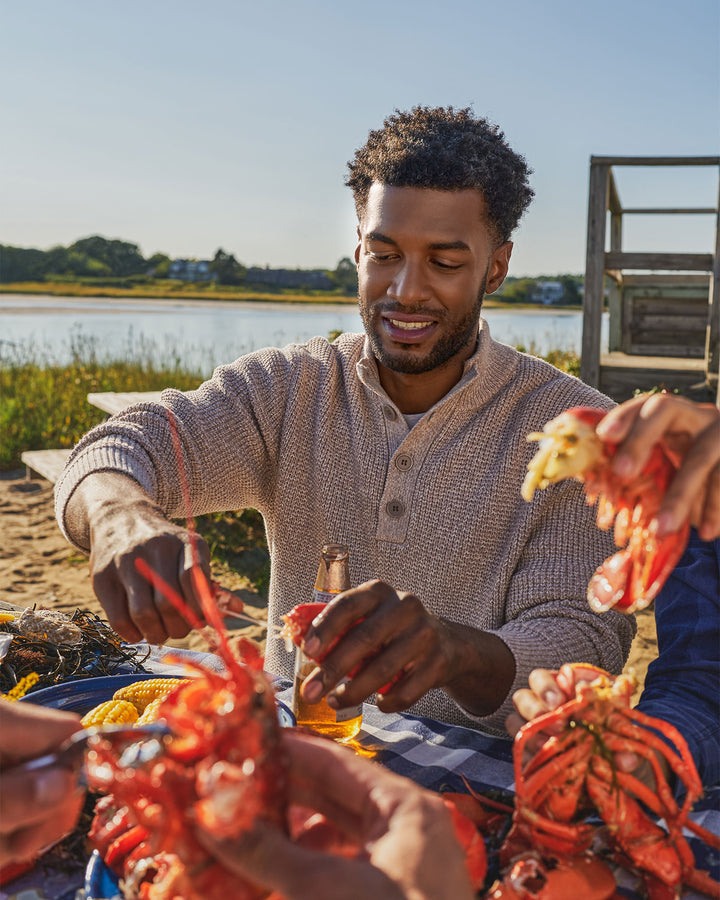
296 624
572 776
569 448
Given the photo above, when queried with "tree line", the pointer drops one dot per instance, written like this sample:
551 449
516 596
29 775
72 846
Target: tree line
102 260
99 260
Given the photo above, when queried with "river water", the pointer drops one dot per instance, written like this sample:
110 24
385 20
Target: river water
204 334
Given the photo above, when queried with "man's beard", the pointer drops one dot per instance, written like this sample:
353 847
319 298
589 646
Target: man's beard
446 348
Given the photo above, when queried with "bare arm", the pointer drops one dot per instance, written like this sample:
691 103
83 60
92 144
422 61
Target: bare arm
110 513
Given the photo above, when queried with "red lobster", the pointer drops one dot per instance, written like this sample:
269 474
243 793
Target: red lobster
570 448
572 775
223 768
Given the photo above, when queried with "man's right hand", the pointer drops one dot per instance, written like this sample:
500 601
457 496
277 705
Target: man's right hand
124 525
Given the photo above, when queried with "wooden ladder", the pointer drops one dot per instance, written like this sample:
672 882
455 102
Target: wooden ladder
664 327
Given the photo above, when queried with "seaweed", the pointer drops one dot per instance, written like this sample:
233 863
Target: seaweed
99 652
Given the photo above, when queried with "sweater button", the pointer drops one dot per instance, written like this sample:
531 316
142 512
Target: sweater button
403 462
395 508
390 413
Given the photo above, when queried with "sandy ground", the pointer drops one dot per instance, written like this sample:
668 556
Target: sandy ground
37 566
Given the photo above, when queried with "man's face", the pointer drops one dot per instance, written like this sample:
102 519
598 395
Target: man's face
425 258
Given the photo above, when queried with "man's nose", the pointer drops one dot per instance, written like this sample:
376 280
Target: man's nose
409 285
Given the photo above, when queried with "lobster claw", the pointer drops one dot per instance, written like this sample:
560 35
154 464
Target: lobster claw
530 878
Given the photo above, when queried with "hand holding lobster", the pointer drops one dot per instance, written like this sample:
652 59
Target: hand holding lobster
402 835
547 691
691 432
385 641
570 448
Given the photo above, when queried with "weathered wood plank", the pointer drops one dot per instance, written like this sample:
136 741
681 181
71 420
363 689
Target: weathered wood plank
671 211
690 262
651 363
621 375
712 344
692 318
47 463
594 275
655 160
113 402
664 279
668 305
668 350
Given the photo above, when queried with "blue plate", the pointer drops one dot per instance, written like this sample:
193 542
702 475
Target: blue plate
82 695
100 882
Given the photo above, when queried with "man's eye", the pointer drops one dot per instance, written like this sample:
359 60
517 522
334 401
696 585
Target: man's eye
443 265
380 257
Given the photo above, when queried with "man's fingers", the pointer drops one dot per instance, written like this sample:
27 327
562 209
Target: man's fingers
111 594
695 491
345 611
28 840
529 704
27 730
271 860
28 798
142 610
544 684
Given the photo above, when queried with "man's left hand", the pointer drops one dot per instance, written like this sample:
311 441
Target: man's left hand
386 642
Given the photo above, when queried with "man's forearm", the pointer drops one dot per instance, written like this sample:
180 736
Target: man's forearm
96 495
483 667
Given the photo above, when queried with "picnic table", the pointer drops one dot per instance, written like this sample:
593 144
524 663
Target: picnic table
113 402
431 753
50 463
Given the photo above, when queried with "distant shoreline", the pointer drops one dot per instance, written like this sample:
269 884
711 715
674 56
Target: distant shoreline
26 295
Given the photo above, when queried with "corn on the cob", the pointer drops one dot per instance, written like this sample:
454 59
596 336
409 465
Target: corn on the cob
22 687
151 712
111 712
140 693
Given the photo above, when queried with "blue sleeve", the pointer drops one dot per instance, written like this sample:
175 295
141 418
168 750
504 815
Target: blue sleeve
683 683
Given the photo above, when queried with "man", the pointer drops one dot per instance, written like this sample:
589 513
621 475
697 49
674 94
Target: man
407 444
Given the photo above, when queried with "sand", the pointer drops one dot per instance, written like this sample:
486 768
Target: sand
38 566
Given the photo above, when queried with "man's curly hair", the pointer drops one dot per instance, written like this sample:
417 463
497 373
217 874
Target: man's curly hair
447 150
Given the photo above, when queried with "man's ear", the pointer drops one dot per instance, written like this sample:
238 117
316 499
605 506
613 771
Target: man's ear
358 247
498 268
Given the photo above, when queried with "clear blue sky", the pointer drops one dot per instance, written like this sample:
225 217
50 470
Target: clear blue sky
186 126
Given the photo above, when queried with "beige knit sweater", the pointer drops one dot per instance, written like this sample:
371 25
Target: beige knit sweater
308 436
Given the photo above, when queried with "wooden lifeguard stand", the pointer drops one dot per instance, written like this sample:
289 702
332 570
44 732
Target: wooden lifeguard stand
664 326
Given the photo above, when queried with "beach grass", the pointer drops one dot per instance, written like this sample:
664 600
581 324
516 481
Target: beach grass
44 405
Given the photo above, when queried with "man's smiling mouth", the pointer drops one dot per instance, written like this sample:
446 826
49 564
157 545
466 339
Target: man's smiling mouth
409 326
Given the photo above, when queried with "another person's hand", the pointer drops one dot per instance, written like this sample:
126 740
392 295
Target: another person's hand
392 644
549 689
691 431
38 808
405 834
124 525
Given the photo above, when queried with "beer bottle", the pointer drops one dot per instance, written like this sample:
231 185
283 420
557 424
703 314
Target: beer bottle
333 578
